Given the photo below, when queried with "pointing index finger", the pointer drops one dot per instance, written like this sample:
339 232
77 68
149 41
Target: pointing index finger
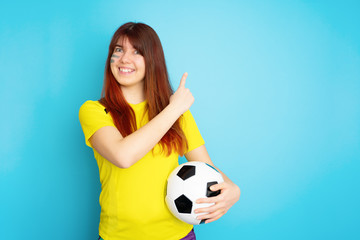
183 80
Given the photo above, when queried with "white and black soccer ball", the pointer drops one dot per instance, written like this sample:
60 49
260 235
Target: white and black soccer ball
187 183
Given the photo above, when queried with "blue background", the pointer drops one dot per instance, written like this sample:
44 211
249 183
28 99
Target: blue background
277 89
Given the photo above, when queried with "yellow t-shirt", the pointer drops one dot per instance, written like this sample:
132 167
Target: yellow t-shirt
132 200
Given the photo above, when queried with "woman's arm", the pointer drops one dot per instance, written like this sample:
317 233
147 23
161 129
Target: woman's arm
125 151
230 192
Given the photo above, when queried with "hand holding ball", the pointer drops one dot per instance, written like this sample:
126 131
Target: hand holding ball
187 183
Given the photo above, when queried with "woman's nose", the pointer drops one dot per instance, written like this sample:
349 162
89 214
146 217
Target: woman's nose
125 58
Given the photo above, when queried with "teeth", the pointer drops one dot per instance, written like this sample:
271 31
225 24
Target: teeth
125 70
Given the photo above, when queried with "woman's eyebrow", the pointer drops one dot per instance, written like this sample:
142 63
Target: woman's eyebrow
118 45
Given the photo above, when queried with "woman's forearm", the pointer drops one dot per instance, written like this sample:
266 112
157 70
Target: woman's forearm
136 145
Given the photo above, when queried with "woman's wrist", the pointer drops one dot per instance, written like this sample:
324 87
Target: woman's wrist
173 110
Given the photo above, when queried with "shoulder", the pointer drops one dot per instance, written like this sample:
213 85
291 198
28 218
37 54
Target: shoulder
91 104
91 108
187 121
187 116
191 131
93 116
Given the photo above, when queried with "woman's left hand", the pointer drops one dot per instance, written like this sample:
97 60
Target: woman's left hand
230 194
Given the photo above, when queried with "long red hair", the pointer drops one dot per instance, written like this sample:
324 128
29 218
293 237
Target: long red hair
156 83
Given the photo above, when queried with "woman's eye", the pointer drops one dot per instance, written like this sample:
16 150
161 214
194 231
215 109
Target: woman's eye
137 52
118 50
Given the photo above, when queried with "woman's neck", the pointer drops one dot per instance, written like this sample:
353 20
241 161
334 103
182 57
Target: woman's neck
134 95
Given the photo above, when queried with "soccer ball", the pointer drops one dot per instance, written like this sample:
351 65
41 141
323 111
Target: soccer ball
187 183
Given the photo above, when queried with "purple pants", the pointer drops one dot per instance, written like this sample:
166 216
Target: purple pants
190 236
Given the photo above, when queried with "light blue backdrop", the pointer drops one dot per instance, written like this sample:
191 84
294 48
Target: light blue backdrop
277 89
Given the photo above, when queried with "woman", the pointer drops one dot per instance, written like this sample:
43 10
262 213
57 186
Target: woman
137 131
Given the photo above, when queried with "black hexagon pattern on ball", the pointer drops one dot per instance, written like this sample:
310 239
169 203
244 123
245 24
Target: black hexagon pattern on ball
183 204
186 172
210 193
203 221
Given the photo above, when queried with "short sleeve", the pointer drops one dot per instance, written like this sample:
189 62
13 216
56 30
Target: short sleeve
93 116
191 131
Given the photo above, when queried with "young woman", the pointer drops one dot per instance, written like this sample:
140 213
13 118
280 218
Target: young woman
137 131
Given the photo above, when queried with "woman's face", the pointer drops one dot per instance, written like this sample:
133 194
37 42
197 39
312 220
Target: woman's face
127 65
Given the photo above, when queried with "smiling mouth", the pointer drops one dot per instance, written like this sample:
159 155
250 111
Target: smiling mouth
126 70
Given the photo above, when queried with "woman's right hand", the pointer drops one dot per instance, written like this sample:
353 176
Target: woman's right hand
182 99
